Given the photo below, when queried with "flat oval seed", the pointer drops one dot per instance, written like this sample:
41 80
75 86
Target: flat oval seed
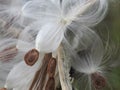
41 74
8 53
31 57
51 67
50 84
99 81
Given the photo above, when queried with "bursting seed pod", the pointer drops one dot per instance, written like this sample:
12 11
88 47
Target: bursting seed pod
47 25
56 19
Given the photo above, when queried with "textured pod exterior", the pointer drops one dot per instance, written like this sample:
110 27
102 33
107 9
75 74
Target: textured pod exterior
63 70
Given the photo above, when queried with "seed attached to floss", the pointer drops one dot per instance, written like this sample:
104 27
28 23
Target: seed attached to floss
41 73
51 67
9 52
99 81
31 57
50 84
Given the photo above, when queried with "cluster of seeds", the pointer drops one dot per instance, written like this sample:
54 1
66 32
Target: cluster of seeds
48 67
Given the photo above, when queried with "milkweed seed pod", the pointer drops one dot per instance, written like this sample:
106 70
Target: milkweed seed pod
51 29
56 19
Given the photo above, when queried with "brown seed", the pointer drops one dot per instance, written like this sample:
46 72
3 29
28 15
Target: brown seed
8 53
31 57
50 84
41 74
99 81
47 57
3 89
51 67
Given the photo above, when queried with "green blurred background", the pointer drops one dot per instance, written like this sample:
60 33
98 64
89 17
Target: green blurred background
109 31
111 25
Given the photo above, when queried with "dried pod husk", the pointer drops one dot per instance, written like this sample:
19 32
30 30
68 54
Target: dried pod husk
64 69
31 57
50 84
98 81
51 67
